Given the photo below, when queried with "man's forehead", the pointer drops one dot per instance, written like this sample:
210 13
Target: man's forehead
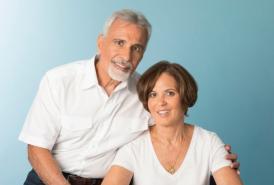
122 25
125 30
119 21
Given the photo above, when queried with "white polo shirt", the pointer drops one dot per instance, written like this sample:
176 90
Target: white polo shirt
83 127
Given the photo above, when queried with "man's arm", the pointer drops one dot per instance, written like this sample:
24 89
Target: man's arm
117 175
45 166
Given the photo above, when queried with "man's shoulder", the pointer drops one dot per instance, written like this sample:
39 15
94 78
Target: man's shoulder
133 81
135 76
67 70
140 141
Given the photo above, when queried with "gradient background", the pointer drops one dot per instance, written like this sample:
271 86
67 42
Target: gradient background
228 46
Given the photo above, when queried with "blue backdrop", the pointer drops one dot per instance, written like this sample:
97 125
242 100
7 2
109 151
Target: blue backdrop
228 45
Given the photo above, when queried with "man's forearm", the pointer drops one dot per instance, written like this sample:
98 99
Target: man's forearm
45 166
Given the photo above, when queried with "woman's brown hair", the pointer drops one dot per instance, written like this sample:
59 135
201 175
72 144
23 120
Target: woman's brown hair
186 84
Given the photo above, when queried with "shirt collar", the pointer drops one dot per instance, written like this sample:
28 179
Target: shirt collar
90 77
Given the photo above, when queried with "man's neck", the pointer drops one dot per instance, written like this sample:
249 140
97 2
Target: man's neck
110 86
104 79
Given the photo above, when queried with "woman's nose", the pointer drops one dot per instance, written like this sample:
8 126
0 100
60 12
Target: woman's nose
162 100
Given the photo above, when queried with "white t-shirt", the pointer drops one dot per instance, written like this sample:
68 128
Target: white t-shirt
205 155
83 127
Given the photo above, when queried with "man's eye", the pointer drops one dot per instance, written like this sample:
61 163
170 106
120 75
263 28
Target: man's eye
119 42
152 94
137 48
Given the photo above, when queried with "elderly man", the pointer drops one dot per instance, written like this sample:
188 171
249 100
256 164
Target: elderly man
84 111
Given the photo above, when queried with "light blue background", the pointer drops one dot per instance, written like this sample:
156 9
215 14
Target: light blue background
228 45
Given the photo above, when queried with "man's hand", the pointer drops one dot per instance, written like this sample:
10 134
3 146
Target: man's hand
233 157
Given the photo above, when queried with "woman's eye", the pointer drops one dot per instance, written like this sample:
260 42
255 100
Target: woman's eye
170 93
152 94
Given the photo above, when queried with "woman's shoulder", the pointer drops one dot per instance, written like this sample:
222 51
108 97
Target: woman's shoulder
203 134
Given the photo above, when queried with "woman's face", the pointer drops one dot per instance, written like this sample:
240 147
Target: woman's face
164 101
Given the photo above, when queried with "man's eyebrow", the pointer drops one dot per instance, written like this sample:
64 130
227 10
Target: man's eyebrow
117 39
139 45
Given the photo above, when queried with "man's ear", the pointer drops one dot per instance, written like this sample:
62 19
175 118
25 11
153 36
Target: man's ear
100 40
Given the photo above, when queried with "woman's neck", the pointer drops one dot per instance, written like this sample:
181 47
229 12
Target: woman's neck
167 135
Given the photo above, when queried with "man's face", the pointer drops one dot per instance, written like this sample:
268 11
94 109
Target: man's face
121 49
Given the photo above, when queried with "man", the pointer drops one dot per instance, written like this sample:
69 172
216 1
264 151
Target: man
84 111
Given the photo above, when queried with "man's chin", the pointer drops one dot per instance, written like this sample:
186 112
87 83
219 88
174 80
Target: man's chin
118 76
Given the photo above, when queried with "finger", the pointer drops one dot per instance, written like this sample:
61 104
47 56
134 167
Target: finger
228 148
232 157
238 172
235 165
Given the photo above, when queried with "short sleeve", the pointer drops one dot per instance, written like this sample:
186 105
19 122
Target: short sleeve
124 158
218 154
42 125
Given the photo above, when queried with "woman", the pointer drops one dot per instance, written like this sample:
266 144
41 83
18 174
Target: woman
172 151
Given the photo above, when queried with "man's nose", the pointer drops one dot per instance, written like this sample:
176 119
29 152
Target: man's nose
126 54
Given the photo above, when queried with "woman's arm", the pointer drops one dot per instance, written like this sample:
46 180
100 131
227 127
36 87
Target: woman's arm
117 175
227 176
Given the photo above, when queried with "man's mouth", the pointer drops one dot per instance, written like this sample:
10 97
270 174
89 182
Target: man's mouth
122 66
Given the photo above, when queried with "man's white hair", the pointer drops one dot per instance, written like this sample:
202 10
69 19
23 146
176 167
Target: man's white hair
131 16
